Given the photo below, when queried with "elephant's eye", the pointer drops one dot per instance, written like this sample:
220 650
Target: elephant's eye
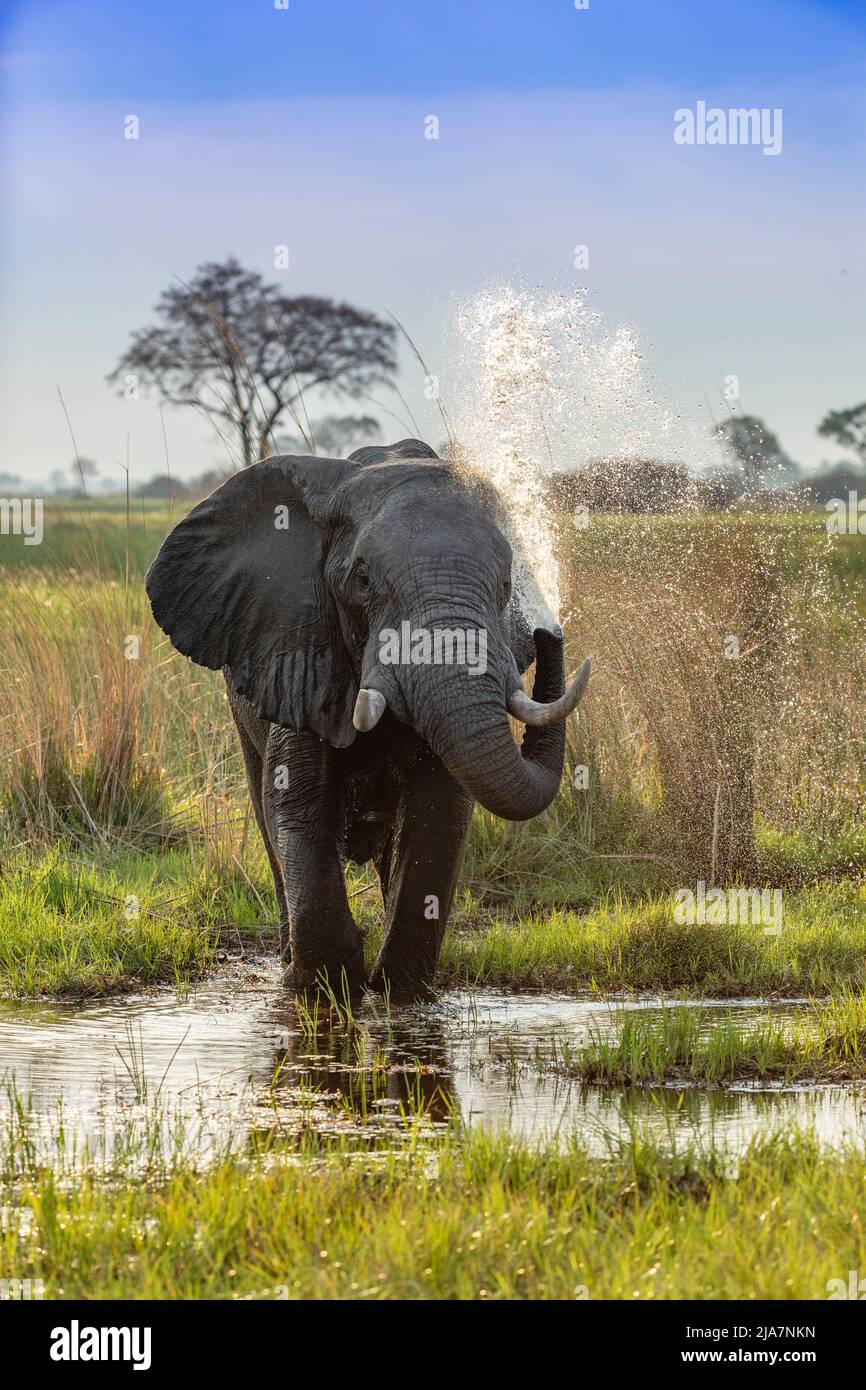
361 580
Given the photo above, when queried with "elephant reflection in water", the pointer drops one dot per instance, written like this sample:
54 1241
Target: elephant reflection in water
355 1067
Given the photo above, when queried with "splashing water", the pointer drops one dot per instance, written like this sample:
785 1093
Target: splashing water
510 338
542 385
690 740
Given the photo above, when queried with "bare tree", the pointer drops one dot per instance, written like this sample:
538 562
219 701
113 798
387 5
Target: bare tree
83 469
244 355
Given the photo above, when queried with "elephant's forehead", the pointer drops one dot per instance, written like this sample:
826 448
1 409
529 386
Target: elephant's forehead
398 482
422 525
423 506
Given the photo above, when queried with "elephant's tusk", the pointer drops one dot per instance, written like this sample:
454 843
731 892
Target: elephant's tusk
369 708
529 711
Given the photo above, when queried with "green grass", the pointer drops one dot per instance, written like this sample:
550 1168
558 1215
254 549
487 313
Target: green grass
66 927
83 536
801 856
828 1043
625 945
488 1217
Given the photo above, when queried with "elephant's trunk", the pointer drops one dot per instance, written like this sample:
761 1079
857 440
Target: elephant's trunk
464 719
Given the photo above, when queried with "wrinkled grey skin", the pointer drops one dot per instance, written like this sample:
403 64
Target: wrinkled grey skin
284 578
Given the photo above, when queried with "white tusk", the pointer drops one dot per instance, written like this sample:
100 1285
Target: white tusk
369 708
531 712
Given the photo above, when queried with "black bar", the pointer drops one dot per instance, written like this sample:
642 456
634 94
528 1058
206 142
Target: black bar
243 1337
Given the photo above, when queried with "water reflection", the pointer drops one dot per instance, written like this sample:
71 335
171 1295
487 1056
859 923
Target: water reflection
399 1063
237 1057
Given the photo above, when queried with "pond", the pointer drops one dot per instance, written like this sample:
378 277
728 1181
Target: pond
236 1057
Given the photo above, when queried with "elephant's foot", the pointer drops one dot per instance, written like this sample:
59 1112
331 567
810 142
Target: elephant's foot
402 980
337 966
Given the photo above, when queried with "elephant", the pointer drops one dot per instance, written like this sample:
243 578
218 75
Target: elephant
307 581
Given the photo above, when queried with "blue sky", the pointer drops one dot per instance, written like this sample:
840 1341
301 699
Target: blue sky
262 126
204 50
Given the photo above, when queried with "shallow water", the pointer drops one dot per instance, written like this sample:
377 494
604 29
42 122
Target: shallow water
235 1057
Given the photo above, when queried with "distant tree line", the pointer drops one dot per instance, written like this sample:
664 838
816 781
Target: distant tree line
248 358
754 466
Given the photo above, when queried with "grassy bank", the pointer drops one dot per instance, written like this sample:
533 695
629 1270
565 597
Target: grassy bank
70 927
623 944
488 1218
828 1043
82 925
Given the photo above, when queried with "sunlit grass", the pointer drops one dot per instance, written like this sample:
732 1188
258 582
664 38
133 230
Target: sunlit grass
488 1217
71 928
68 925
621 944
827 1043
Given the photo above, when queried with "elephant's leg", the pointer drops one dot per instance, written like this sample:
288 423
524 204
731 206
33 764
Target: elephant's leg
429 838
303 781
382 865
262 808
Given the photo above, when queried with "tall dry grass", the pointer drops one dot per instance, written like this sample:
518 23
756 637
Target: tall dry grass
730 682
106 734
687 747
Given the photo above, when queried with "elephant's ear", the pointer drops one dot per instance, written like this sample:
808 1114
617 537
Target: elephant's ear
239 585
